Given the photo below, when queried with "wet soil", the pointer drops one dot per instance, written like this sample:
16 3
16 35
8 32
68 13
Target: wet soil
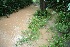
10 28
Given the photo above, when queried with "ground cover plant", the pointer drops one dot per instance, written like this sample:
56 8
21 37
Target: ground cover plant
62 31
62 37
62 25
10 6
63 22
38 21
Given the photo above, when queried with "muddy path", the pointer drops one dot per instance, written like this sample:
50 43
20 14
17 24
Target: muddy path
10 28
45 33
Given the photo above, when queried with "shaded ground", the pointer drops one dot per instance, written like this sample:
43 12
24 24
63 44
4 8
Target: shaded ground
10 28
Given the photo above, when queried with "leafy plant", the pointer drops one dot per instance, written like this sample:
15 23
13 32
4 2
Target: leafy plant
57 41
62 26
63 22
33 29
10 6
60 41
58 5
41 13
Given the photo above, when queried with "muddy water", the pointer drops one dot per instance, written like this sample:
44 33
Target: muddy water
10 28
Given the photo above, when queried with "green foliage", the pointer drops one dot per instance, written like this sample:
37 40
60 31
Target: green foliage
10 6
33 33
37 23
58 5
69 6
57 41
63 27
41 13
60 41
34 0
63 22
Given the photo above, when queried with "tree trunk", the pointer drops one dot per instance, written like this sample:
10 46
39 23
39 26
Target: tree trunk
42 5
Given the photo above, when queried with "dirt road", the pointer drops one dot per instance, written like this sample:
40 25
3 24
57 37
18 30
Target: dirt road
10 28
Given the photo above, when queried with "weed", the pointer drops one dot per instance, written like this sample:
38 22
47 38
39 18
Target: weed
62 26
33 32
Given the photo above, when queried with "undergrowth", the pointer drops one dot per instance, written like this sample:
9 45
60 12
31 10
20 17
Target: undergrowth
37 22
7 7
62 25
62 31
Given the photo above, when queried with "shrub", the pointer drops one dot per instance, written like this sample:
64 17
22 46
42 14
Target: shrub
63 22
42 13
58 5
62 26
62 37
58 41
9 6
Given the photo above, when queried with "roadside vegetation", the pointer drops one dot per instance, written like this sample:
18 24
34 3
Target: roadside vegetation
38 21
61 29
7 7
62 25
